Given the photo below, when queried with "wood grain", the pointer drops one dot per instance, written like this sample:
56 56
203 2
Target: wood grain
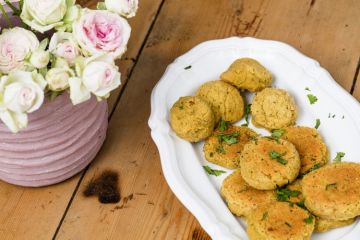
325 30
34 213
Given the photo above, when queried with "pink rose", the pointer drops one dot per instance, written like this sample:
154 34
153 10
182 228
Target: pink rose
63 44
100 31
16 45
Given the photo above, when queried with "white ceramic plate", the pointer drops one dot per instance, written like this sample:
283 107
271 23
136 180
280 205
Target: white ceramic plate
182 161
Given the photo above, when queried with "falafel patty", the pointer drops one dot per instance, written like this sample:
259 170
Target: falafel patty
278 221
333 191
269 163
242 198
192 118
248 74
324 225
309 144
273 108
226 101
224 147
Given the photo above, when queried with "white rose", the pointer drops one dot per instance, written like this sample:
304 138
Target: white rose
21 94
40 58
16 45
126 8
100 76
43 15
101 32
58 78
63 44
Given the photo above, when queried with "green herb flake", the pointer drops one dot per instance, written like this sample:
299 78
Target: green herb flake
278 157
284 194
230 138
343 117
265 216
309 219
247 114
333 116
313 168
307 89
331 186
223 125
277 133
220 149
188 67
312 98
317 125
181 107
301 204
214 172
339 156
252 138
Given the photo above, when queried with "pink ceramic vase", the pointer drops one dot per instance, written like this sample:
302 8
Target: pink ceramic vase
60 140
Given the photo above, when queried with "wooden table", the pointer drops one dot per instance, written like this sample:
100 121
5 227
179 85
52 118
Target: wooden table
326 30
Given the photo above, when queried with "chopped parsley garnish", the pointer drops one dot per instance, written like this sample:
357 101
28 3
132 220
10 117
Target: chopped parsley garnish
307 89
277 133
247 114
214 172
220 149
284 194
181 107
252 138
339 156
265 216
317 125
312 98
309 219
278 157
331 186
333 116
230 138
223 125
188 67
301 204
313 168
343 117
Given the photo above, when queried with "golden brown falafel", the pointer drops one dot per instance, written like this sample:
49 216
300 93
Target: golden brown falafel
224 147
226 101
248 74
192 119
267 163
279 221
273 108
333 191
242 198
310 146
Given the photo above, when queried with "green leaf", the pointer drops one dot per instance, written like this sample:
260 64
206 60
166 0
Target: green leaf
223 125
277 133
339 156
220 149
284 194
307 89
188 67
278 157
247 114
317 125
301 204
230 138
101 6
214 172
309 219
312 99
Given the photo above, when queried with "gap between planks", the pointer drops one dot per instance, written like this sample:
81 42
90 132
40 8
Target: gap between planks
355 77
110 116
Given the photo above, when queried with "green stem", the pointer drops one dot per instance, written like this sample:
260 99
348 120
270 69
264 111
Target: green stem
15 10
6 16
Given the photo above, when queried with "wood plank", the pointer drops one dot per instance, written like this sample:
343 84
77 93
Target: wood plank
155 213
34 213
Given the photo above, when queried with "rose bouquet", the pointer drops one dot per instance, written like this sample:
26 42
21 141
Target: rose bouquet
77 54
